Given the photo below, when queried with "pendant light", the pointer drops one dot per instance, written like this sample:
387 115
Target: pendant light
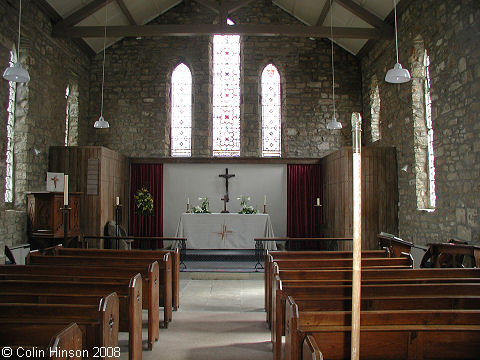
16 72
397 75
334 124
101 123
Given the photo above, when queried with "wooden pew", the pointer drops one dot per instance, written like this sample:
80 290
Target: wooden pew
312 292
144 254
390 334
47 346
128 294
332 263
271 256
99 323
164 279
50 271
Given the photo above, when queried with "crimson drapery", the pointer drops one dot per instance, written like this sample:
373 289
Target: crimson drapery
150 176
304 186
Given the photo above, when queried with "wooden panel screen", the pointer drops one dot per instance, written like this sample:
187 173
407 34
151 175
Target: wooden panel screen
379 194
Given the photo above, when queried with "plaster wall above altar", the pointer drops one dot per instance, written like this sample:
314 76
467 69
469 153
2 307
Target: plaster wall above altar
182 181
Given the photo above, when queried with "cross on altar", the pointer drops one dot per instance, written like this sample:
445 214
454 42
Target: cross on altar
226 198
54 179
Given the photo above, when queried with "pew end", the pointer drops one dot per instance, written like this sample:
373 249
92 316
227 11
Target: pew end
310 349
69 339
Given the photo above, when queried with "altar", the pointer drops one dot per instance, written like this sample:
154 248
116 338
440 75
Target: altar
225 230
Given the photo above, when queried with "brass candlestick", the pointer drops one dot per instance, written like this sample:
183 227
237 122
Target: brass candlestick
264 208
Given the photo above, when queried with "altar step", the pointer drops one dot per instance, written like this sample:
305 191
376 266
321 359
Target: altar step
219 255
220 261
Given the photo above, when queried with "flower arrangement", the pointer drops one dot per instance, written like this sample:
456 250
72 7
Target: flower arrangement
203 208
143 201
246 209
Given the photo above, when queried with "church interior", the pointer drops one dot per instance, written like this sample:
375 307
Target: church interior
323 138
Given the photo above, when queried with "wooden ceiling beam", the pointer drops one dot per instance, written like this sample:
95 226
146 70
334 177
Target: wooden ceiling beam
234 6
210 5
362 13
83 13
199 29
126 12
323 15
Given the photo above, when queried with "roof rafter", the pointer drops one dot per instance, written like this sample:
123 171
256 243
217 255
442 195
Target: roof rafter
324 13
362 13
83 13
208 29
126 12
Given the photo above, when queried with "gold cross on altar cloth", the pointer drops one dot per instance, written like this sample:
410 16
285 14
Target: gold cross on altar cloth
224 232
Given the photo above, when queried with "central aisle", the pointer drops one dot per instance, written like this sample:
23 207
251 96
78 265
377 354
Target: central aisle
217 320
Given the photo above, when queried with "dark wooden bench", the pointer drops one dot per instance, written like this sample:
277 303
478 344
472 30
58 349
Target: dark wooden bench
164 268
129 296
153 255
271 256
47 344
332 263
303 291
452 255
97 274
388 334
99 323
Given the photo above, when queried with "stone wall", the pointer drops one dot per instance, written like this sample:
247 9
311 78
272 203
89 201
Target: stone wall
40 110
137 87
453 45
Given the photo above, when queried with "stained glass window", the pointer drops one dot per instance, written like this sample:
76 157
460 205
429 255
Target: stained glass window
226 95
271 112
10 129
181 111
428 120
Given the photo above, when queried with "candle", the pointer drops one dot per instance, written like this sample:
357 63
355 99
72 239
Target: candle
188 201
265 200
318 201
117 201
65 191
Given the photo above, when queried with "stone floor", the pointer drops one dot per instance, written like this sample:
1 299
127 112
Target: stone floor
218 319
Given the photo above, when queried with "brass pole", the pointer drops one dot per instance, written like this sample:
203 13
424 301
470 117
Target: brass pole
357 234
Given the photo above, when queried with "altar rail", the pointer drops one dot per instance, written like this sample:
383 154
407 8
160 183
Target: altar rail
145 242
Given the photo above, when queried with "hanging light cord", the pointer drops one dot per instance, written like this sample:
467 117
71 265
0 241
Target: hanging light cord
103 66
396 39
19 22
333 68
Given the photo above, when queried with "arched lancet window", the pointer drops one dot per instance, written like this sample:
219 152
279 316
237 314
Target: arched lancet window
432 197
181 111
271 112
375 110
226 95
8 196
71 115
423 128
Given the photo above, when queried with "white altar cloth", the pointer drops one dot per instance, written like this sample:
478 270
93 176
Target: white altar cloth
225 231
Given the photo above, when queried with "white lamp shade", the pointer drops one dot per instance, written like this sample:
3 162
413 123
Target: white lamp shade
16 73
397 75
334 124
101 123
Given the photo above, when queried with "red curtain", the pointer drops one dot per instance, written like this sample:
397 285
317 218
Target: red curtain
150 176
304 186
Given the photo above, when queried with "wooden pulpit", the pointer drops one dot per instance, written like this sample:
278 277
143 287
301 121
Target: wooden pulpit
45 218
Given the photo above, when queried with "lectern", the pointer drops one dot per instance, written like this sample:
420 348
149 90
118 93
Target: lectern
45 218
